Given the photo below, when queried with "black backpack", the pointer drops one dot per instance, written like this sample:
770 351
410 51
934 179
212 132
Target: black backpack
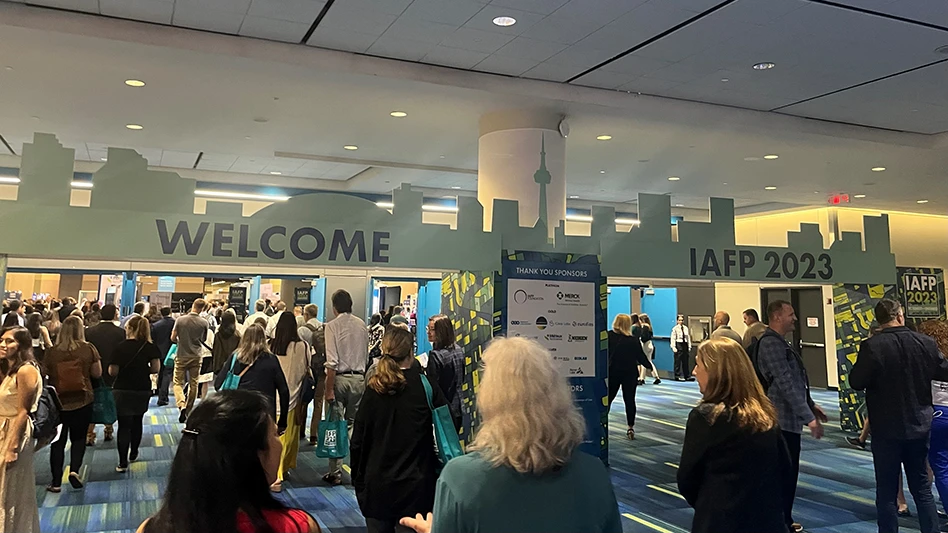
753 352
317 363
46 418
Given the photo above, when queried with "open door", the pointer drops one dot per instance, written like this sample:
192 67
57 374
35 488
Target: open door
429 305
661 306
318 297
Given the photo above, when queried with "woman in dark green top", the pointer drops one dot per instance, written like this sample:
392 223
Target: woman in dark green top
525 472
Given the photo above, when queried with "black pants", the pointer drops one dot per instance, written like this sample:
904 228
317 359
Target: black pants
790 491
129 436
165 375
75 425
682 363
888 457
629 381
374 525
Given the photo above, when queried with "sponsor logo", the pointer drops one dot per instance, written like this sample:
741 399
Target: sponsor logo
578 338
552 349
553 337
541 322
521 323
580 358
567 296
576 371
330 438
576 388
520 296
582 324
561 358
553 285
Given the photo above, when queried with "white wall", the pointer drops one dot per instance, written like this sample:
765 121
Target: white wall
734 298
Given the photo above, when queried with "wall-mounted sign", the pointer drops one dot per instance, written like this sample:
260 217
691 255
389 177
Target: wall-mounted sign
812 322
922 291
166 283
302 295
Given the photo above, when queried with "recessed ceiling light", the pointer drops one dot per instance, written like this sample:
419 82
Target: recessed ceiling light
240 195
604 138
767 65
859 196
81 184
770 188
135 83
602 171
276 173
455 187
8 67
771 157
103 158
878 169
573 197
34 117
247 138
579 218
725 183
673 178
922 202
725 80
134 126
440 157
385 205
505 21
261 120
351 147
9 179
398 114
629 221
679 205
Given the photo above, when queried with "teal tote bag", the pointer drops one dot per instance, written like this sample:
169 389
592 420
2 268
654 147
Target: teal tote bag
103 406
232 381
446 437
333 440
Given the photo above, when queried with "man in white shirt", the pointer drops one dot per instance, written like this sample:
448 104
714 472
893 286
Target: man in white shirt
347 349
16 308
259 307
681 346
139 310
272 321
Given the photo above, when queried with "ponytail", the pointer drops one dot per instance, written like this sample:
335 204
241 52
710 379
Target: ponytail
396 348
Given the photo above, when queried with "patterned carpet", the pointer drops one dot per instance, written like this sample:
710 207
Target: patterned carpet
835 494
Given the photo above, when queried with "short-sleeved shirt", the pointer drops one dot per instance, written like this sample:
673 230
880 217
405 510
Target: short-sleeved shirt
192 332
87 356
280 520
134 359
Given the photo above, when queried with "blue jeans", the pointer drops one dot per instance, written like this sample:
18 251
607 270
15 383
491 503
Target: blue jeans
888 457
938 452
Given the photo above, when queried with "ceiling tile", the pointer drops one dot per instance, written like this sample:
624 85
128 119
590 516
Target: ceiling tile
581 57
342 16
388 7
291 10
250 165
203 19
648 86
602 11
273 29
453 57
526 48
454 12
231 6
144 10
476 40
635 66
170 158
543 7
931 11
343 171
394 47
342 39
511 66
215 161
603 79
484 20
420 30
563 29
551 72
88 6
684 71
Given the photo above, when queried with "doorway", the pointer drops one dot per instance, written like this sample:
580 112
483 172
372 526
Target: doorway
809 334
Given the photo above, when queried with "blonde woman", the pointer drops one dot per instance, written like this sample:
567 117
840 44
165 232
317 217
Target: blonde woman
646 336
524 471
734 466
625 357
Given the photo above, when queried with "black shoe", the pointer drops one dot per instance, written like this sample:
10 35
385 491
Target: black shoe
679 379
689 379
75 481
133 456
121 469
905 513
657 381
183 416
641 382
855 442
943 515
162 403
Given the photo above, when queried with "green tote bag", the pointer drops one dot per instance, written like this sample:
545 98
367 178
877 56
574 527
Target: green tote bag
446 437
333 437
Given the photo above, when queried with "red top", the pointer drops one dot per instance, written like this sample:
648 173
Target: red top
282 521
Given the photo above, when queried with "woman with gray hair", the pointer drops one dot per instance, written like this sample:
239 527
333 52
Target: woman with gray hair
524 472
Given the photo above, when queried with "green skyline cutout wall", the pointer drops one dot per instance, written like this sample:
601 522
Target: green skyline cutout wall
147 215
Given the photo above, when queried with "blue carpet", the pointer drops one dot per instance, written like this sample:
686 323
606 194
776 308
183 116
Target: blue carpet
835 493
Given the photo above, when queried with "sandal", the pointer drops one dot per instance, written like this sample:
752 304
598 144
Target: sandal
54 490
277 486
75 481
630 434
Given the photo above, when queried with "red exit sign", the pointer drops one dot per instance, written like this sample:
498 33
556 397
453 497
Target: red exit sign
838 199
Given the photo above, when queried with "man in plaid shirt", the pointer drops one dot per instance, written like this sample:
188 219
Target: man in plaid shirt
786 384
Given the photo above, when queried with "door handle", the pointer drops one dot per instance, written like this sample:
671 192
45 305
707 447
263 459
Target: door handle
812 345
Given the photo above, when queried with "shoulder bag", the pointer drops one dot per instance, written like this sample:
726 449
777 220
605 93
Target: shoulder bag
446 437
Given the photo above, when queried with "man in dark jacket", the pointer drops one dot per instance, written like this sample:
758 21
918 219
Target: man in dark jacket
896 368
105 336
161 336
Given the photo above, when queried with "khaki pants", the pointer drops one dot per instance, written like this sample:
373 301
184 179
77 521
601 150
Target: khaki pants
186 368
349 389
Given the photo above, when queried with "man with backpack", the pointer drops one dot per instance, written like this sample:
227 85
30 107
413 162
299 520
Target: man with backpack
314 333
783 376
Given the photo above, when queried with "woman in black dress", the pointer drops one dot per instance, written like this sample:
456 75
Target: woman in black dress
734 462
133 360
625 356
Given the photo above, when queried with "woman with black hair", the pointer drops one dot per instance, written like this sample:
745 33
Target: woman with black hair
225 341
11 320
394 467
39 335
446 362
293 354
19 395
228 456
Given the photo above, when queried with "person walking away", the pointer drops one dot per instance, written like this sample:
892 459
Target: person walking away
681 346
446 361
398 316
524 471
16 313
132 364
347 345
376 332
293 354
39 336
272 321
625 356
734 462
161 336
938 454
786 384
105 336
93 316
896 368
260 371
394 466
190 332
72 365
755 328
647 335
259 307
225 341
722 329
313 332
139 309
228 456
52 324
67 308
19 397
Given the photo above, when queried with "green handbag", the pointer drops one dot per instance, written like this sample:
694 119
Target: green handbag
446 436
333 437
103 407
